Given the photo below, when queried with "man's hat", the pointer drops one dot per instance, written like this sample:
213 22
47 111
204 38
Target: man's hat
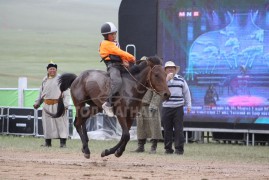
51 64
171 64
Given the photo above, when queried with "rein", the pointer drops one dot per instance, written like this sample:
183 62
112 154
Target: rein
148 79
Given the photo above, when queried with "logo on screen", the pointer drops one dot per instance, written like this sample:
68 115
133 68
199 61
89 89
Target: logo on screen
188 14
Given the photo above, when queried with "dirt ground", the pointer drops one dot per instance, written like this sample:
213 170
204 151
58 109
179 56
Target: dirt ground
15 164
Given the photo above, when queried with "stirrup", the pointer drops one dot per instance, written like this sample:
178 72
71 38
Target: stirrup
108 110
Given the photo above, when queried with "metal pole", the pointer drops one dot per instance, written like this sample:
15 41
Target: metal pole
22 84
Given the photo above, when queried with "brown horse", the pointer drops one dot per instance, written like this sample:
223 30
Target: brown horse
92 87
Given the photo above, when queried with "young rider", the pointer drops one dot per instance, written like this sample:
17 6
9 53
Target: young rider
114 58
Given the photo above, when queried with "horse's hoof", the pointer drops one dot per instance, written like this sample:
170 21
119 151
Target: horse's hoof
117 154
87 156
105 153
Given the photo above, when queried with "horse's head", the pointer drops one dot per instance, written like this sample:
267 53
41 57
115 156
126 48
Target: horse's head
157 77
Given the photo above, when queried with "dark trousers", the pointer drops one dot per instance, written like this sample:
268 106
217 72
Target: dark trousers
172 121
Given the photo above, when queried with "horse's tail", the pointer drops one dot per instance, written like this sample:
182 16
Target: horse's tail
65 82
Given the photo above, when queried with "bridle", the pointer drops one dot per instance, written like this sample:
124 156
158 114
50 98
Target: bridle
149 81
151 88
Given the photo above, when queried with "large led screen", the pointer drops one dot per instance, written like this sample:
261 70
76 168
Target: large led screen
222 47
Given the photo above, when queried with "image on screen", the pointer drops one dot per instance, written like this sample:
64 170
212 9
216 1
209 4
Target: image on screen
222 48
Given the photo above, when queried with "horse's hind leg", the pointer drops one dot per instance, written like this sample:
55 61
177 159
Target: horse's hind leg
81 129
82 116
84 131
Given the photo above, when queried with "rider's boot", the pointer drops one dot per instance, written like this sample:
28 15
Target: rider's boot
107 107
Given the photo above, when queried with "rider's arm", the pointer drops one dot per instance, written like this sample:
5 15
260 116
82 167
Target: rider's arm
107 48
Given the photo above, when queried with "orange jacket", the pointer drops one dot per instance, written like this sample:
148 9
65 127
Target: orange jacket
107 47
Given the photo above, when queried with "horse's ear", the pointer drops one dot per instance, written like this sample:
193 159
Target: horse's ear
139 61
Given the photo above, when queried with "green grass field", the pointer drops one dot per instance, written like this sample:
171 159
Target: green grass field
205 152
34 32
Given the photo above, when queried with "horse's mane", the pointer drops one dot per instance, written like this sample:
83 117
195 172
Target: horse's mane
155 60
142 64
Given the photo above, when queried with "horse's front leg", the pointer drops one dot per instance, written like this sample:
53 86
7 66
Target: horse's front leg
116 148
125 139
125 136
120 146
81 129
112 150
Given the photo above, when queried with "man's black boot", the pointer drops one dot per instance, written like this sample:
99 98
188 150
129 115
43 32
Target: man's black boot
62 143
47 143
